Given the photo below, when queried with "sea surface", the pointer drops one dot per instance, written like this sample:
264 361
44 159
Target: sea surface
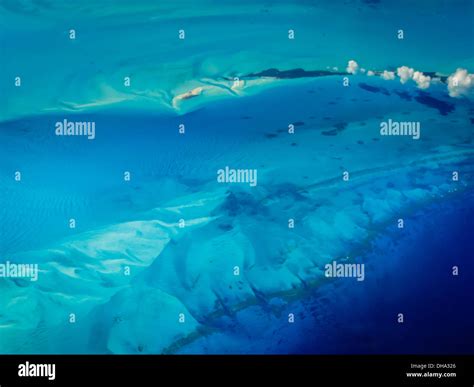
174 261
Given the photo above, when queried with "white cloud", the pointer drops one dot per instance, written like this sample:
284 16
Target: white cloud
388 75
352 67
460 83
423 81
362 70
405 73
370 73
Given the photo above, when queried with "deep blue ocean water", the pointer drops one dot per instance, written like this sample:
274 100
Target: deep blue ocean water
416 280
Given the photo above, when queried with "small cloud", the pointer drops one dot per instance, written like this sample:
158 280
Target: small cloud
422 81
362 70
460 83
370 73
335 68
388 75
352 67
405 73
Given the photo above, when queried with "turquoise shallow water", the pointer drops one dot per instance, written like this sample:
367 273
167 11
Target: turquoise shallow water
135 226
224 39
